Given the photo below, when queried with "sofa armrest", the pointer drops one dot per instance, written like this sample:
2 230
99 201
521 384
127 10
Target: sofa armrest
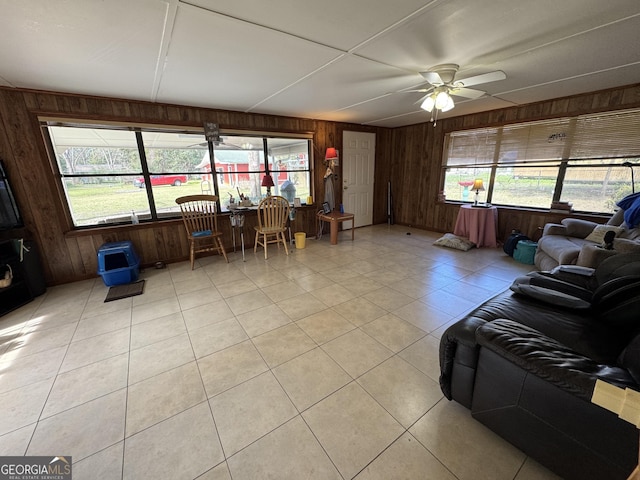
548 359
592 255
554 229
463 334
625 245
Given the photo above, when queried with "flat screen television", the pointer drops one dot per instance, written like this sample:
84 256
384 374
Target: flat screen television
9 213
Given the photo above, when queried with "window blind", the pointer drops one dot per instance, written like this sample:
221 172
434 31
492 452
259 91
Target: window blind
534 142
610 135
470 148
607 135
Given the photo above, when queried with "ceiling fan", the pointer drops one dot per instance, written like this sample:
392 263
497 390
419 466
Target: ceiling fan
443 85
212 135
219 144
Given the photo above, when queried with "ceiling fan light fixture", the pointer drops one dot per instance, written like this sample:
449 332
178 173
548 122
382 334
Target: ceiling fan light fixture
443 84
442 99
428 103
449 105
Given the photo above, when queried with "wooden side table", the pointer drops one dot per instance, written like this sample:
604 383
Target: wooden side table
334 218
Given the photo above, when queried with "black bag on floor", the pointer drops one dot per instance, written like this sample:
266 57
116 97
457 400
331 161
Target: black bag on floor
512 241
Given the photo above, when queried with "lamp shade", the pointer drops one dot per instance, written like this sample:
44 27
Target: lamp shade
267 181
478 186
428 104
331 153
442 99
449 105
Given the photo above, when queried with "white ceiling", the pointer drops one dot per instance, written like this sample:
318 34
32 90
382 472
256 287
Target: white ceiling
331 60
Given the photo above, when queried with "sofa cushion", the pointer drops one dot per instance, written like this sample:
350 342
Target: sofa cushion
578 228
552 290
564 250
543 261
593 255
632 234
617 218
547 358
579 330
598 233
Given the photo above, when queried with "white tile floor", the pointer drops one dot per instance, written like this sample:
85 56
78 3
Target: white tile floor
319 365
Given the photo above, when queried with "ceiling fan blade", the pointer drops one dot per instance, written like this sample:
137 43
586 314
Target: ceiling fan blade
420 90
432 77
484 78
467 92
422 99
225 146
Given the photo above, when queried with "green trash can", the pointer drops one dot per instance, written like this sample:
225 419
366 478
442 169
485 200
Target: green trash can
525 252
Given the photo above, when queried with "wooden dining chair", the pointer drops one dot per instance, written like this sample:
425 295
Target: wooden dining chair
273 213
199 214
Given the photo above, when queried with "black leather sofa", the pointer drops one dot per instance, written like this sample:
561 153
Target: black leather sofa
527 371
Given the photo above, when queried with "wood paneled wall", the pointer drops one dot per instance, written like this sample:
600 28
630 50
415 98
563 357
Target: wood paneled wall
407 158
415 168
69 255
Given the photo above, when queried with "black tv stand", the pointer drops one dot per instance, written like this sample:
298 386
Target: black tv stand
27 282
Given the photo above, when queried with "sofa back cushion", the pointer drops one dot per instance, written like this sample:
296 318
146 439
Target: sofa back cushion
549 359
578 228
617 218
630 233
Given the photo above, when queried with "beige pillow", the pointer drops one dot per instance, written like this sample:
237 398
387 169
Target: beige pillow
450 240
598 233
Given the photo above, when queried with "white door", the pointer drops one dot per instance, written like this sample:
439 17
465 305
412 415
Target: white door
358 156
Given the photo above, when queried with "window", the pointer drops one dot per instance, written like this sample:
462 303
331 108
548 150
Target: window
586 160
108 172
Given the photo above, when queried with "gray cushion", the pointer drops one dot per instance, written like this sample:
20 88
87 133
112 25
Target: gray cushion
578 228
564 250
552 290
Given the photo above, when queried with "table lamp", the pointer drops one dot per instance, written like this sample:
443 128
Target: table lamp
331 157
478 187
267 181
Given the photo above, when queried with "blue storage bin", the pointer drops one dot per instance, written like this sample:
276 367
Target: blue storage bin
118 263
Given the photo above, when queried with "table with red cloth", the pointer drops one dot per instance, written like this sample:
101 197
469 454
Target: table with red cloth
478 224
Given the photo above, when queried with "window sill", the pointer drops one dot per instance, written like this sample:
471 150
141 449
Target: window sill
596 217
100 230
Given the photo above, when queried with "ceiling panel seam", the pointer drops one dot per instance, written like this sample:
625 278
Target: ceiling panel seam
259 25
393 26
565 38
310 74
572 77
350 52
167 32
